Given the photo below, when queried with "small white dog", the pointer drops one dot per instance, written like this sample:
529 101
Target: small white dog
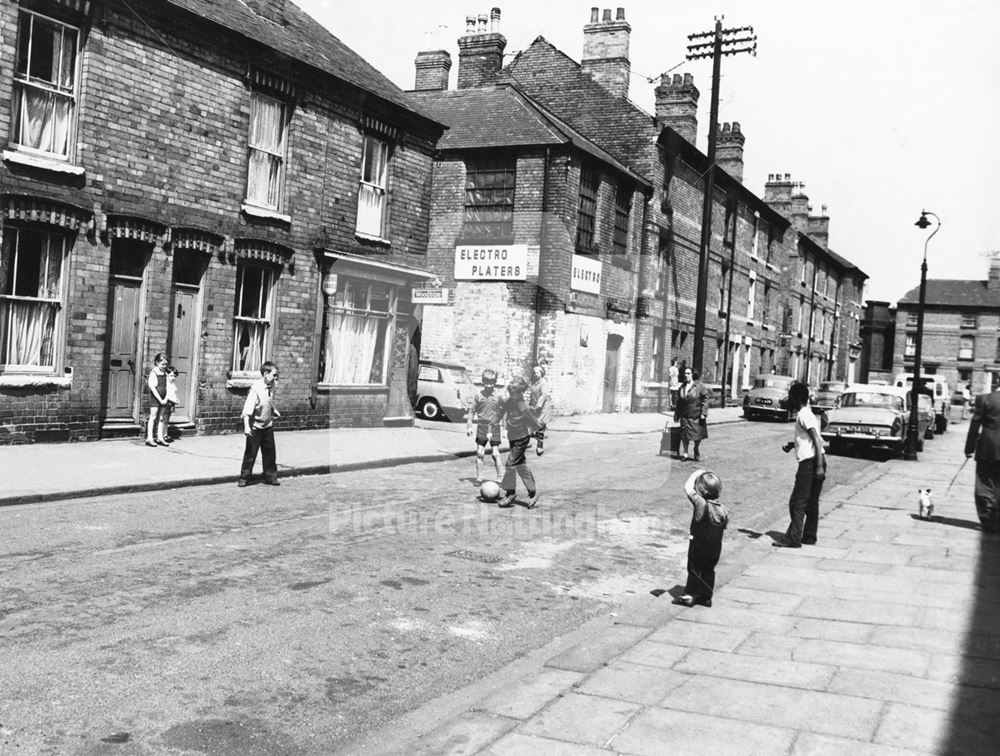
924 503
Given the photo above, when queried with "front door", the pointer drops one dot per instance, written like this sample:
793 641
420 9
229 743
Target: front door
120 370
611 373
189 268
123 370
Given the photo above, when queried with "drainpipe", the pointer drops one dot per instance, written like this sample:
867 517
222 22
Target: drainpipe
640 288
541 245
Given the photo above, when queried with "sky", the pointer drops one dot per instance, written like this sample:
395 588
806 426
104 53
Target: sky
881 108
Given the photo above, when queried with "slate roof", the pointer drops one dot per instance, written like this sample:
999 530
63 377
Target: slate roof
304 39
503 116
954 293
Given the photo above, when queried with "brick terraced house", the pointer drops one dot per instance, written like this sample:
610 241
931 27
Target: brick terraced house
551 157
961 336
220 180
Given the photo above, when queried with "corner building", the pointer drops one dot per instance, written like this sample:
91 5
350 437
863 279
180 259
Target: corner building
222 181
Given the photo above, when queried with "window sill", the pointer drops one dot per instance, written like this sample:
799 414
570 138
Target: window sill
26 380
44 163
263 212
380 240
341 388
499 241
242 380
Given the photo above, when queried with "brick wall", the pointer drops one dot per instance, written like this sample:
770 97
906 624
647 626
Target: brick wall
162 134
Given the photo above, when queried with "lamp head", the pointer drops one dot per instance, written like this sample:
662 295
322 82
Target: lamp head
922 222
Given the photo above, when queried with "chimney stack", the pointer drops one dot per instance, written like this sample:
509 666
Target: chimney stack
781 194
993 284
433 67
729 149
605 51
272 10
819 228
480 51
677 105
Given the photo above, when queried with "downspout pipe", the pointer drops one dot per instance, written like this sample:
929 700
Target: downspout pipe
541 254
640 289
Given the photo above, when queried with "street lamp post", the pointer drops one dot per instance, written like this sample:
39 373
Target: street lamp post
916 386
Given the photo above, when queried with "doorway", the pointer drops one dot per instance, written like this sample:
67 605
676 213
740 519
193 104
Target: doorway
185 324
122 368
611 372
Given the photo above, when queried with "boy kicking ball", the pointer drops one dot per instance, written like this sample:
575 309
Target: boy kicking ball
485 413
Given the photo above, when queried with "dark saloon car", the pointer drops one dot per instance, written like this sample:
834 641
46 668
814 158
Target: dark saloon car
826 395
768 398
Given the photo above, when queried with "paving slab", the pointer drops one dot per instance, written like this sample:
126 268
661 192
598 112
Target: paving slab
463 736
794 708
692 633
596 651
841 654
525 697
898 687
656 732
876 613
519 744
736 666
812 744
576 718
637 683
918 727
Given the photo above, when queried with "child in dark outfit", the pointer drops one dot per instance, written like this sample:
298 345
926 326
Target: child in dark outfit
521 425
708 523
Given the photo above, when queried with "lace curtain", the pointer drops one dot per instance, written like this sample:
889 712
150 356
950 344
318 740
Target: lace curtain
267 124
349 349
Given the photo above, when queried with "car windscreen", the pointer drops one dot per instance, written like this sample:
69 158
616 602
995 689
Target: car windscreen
771 383
831 386
459 375
871 399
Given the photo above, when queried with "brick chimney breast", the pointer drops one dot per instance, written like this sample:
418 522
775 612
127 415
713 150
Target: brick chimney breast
993 283
605 51
819 228
729 141
433 67
272 10
677 105
480 51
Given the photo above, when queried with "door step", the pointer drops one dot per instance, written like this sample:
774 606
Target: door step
121 429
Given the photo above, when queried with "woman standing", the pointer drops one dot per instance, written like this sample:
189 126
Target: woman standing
692 412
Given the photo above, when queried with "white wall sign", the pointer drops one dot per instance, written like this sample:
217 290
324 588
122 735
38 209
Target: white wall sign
429 296
499 262
586 275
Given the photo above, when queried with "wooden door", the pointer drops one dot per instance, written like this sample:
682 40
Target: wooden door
183 348
121 370
611 372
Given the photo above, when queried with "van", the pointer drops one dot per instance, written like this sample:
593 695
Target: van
936 385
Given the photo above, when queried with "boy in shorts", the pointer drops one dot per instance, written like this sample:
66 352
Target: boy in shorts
485 412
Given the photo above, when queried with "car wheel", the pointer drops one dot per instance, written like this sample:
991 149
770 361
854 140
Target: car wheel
430 409
747 414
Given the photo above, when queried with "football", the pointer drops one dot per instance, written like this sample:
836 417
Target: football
490 490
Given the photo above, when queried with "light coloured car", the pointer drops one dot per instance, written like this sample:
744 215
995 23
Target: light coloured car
444 390
936 386
768 398
873 417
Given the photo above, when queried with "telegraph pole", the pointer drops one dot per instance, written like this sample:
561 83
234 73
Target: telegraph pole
723 43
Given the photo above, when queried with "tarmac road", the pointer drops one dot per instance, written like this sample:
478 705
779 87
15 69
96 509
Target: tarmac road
261 620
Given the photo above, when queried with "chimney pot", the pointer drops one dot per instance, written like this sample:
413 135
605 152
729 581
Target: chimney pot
495 20
595 15
788 177
677 105
607 15
483 18
470 24
678 79
736 127
688 78
605 53
770 177
620 14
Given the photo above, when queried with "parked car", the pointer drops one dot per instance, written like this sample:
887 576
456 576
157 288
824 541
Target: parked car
937 386
826 395
768 397
873 417
444 390
925 408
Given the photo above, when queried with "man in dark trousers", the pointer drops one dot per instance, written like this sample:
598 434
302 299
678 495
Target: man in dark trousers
984 441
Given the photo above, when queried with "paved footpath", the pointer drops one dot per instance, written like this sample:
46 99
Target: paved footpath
882 639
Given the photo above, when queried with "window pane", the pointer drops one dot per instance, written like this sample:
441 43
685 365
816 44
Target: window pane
356 330
489 199
587 209
30 267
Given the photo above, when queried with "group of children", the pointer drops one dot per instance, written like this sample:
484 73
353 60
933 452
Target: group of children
526 419
163 392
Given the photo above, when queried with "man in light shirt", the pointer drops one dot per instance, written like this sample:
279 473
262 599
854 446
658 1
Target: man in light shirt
258 426
803 505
